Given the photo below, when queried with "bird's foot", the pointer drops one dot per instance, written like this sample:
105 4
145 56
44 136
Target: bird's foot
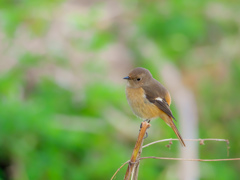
147 120
146 135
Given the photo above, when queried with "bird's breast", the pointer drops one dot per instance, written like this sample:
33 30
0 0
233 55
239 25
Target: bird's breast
140 104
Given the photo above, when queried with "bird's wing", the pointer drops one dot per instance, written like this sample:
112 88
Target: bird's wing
157 97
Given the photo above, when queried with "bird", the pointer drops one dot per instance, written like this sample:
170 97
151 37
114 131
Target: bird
149 99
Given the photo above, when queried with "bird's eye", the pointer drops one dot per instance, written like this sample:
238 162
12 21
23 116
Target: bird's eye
138 79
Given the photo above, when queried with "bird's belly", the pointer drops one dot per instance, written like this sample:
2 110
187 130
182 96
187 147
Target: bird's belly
140 105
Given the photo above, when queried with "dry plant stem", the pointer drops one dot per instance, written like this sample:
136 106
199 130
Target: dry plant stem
144 126
176 159
136 165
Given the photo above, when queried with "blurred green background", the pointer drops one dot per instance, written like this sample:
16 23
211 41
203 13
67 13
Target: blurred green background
63 111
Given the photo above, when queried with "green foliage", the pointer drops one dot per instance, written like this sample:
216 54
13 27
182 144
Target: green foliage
29 133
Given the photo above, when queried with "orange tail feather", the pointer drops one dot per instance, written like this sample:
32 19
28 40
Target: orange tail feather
173 126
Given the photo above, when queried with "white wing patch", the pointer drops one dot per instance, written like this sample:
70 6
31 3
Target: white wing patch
159 99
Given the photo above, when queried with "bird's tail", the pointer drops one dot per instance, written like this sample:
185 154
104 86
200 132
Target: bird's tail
173 126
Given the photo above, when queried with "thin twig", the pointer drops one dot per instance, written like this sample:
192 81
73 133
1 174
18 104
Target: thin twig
201 141
182 159
119 169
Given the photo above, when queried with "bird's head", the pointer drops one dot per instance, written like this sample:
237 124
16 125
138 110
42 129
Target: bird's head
138 77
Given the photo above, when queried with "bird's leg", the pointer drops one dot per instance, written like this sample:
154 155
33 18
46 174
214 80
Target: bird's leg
148 121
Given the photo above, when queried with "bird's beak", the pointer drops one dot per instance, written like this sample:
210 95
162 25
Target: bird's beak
127 77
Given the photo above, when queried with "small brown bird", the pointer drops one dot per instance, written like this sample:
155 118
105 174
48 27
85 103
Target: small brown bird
149 99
